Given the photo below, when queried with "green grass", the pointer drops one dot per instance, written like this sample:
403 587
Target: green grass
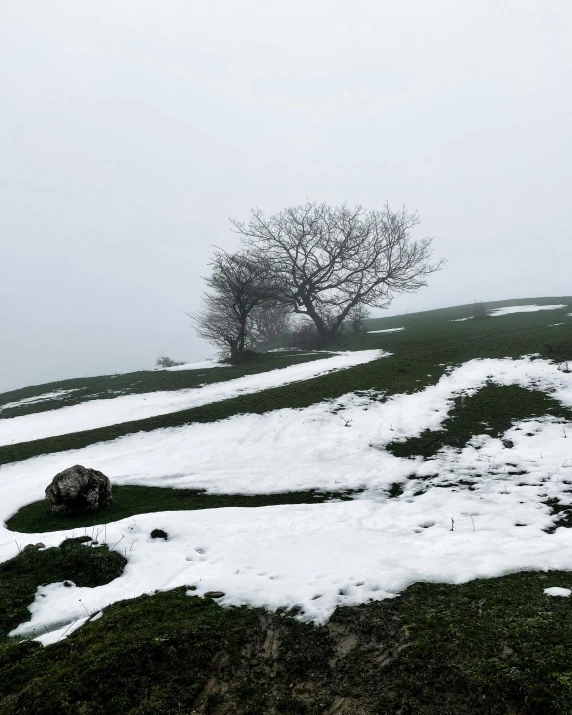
110 386
420 356
132 500
490 647
21 576
493 410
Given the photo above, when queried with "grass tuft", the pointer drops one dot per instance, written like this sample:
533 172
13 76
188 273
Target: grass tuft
21 576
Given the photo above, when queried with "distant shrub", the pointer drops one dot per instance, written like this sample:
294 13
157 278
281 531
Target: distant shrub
165 361
357 317
480 310
305 336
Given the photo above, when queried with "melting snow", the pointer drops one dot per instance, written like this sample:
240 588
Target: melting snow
388 330
100 413
59 634
204 365
523 309
337 553
556 591
55 395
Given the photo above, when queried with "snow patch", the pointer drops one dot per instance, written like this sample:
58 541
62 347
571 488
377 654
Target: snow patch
55 395
556 591
283 350
204 365
387 330
523 309
59 634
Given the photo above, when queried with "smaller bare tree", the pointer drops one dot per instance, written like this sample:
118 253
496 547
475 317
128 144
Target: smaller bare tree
237 286
217 324
357 317
271 322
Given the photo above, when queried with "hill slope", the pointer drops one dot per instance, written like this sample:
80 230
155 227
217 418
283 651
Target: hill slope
325 504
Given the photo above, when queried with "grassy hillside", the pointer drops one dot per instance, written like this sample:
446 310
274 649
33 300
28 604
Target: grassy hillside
488 647
420 355
53 395
485 646
463 311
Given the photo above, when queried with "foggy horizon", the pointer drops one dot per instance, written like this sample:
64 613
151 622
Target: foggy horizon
131 134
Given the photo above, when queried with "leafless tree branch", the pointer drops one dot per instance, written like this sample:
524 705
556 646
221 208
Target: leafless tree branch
237 286
326 260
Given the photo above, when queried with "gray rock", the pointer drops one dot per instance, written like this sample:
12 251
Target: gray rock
79 490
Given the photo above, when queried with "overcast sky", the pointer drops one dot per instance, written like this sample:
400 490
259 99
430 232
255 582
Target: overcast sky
132 130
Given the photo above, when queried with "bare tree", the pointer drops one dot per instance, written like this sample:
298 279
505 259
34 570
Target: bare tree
271 321
328 259
217 324
357 317
237 285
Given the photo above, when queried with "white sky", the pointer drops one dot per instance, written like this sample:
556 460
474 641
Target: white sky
131 131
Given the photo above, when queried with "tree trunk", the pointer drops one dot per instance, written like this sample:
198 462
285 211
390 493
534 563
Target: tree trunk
235 352
318 322
331 335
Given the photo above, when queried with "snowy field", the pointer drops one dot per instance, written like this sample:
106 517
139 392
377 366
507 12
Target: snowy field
321 556
101 413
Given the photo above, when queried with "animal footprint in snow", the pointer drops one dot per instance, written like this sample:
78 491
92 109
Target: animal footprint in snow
197 555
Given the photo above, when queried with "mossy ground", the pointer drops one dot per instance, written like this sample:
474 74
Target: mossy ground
21 576
132 500
493 646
